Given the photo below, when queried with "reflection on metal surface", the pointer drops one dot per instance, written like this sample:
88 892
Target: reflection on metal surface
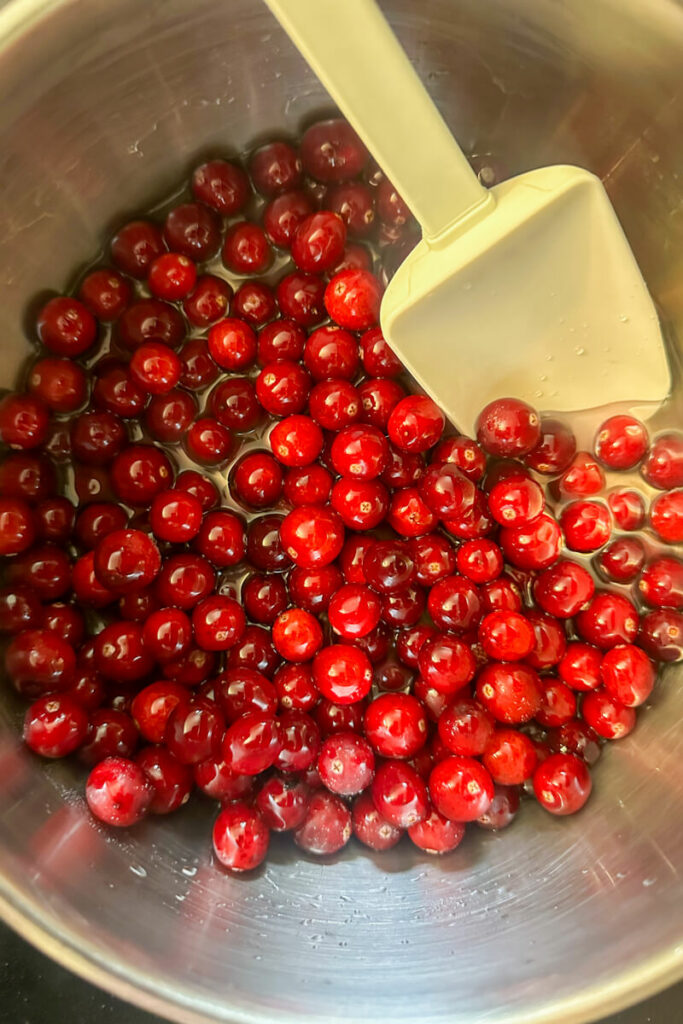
108 102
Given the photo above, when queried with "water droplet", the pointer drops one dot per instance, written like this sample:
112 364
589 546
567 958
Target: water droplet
544 376
647 882
139 871
623 319
580 350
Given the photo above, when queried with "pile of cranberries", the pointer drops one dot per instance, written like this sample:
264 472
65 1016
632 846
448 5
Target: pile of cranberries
240 557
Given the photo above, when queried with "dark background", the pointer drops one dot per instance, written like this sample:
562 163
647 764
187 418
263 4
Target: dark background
34 990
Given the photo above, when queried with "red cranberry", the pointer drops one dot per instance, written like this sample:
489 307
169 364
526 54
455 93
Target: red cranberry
240 837
251 743
510 692
45 568
275 168
199 486
66 327
666 516
135 246
299 739
354 203
96 437
502 809
208 301
232 343
621 442
193 230
194 731
300 297
264 598
118 792
354 611
455 604
221 185
399 794
332 718
550 640
509 757
579 666
312 589
312 536
121 654
170 780
171 276
379 397
332 152
609 619
219 782
155 368
151 320
97 520
54 519
246 249
86 587
508 428
361 504
586 524
661 583
111 733
24 421
20 609
27 476
607 715
416 423
17 527
554 450
218 622
184 580
563 589
479 560
55 726
575 737
198 369
65 620
282 803
116 392
661 634
436 834
318 243
391 207
105 293
152 707
256 651
283 215
583 478
532 547
139 473
370 827
622 560
628 675
327 826
282 339
254 302
352 299
465 727
446 663
331 352
409 514
295 688
627 508
175 516
257 480
60 384
404 608
296 441
264 549
297 635
562 784
209 442
126 560
342 673
234 404
558 703
409 643
307 485
240 691
516 502
282 388
396 725
168 634
506 636
461 788
663 465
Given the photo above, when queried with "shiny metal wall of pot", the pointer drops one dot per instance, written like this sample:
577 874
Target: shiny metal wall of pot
106 103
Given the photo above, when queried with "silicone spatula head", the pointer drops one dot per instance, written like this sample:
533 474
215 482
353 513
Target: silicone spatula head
529 289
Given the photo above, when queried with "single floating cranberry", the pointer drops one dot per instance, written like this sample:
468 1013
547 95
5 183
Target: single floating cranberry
352 299
126 560
661 634
246 249
283 215
105 293
666 516
502 809
608 620
510 692
562 784
510 757
118 792
461 788
66 327
621 442
55 726
579 666
627 508
282 803
587 525
661 583
332 152
318 243
342 673
312 536
193 230
628 674
583 478
508 428
222 185
622 560
663 464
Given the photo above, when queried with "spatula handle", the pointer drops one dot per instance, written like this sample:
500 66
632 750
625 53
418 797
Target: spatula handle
358 59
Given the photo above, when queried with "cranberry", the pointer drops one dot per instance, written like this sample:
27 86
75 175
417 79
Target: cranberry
264 598
608 619
251 743
558 703
55 726
139 473
275 167
318 243
370 827
455 603
155 368
209 442
562 784
563 589
509 757
502 809
283 387
510 692
396 725
126 560
97 520
151 320
60 384
622 560
661 634
461 788
327 826
199 486
27 476
379 397
334 404
332 152
579 666
135 246
446 663
506 635
312 589
666 516
332 718
361 504
297 635
194 731
628 674
296 441
221 185
663 465
532 547
301 297
111 733
295 688
586 524
409 643
116 392
409 514
193 230
24 421
105 293
283 215
121 654
240 837
218 622
465 727
354 203
184 580
17 527
171 277
342 673
152 707
54 519
118 792
607 715
264 549
45 568
621 442
404 608
254 302
242 690
282 803
661 583
583 478
198 369
66 327
86 587
218 781
354 611
246 249
516 501
550 640
20 609
168 634
234 404
312 536
433 557
307 485
299 739
554 450
170 780
508 428
474 523
352 299
575 737
627 508
255 651
65 620
257 480
399 794
331 353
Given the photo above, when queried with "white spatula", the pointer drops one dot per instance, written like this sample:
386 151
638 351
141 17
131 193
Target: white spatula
529 289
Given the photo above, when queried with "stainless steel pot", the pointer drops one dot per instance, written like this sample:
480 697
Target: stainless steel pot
105 104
